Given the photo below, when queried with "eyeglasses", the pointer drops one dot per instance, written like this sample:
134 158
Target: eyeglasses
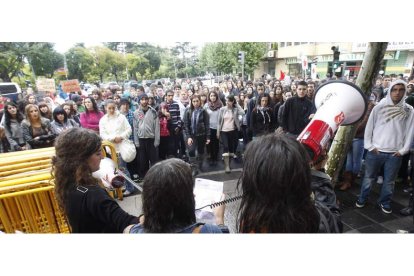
170 95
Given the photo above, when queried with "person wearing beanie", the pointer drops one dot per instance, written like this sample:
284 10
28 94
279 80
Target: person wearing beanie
78 101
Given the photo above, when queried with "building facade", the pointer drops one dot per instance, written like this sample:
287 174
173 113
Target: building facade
316 59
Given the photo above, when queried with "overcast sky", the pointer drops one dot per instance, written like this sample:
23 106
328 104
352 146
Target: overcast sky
63 46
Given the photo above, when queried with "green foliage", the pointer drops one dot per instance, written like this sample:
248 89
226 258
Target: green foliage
222 57
140 60
80 63
44 60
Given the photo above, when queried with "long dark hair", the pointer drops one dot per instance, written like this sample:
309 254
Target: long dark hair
69 166
59 110
276 195
167 199
259 99
214 105
48 113
94 105
195 96
7 116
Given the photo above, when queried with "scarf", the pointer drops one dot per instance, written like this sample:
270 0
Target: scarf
185 102
215 105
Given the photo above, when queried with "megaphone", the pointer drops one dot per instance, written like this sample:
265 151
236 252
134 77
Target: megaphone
107 173
337 103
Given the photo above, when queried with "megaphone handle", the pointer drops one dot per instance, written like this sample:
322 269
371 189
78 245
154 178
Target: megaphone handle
121 173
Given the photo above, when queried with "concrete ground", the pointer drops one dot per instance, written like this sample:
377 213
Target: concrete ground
366 220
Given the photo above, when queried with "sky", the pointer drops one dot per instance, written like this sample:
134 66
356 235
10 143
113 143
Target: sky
63 46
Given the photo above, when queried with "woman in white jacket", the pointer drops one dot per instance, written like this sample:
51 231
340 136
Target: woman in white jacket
114 127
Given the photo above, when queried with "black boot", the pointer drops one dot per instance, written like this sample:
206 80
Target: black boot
200 159
194 166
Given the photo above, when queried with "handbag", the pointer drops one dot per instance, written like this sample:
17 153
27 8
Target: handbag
127 150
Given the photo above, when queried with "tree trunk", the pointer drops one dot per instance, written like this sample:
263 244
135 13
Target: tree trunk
343 138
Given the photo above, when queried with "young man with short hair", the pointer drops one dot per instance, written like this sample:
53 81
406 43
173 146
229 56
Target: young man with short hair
297 111
388 135
146 135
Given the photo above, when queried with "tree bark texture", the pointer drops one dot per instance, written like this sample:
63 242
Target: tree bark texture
365 80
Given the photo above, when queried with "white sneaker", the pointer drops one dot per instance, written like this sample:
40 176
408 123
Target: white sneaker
380 180
126 193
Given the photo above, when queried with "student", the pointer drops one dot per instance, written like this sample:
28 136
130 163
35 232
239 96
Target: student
388 135
168 202
12 124
61 121
197 132
37 131
86 204
277 195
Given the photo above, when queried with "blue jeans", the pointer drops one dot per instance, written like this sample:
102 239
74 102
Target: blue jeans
354 156
373 164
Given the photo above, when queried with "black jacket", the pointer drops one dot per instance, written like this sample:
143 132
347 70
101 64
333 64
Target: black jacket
203 124
260 123
91 210
296 114
325 202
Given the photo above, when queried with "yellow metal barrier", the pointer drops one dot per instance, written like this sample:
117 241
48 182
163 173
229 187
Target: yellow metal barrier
27 199
32 211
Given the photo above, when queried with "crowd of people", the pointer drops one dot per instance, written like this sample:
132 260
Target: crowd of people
192 122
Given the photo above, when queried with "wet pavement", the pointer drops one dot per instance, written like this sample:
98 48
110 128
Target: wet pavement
369 219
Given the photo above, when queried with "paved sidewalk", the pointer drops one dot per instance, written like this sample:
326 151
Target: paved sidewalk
369 219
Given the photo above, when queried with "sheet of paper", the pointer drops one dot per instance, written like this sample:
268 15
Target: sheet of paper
206 192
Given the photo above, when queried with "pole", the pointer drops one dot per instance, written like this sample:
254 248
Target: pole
343 138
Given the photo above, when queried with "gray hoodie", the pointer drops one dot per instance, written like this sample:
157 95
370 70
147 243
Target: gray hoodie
146 125
390 126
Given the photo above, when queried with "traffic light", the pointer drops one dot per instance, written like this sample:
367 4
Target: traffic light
336 53
240 57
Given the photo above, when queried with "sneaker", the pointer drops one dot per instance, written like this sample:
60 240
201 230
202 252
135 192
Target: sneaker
386 210
359 204
380 180
407 211
126 193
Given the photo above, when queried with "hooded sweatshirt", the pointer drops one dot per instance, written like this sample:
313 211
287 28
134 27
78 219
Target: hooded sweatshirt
390 126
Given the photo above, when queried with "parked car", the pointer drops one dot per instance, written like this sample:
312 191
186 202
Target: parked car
10 90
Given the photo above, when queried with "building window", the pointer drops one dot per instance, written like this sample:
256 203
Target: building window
297 43
288 43
295 69
282 44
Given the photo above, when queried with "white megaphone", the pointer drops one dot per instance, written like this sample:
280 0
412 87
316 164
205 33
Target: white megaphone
337 103
107 173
